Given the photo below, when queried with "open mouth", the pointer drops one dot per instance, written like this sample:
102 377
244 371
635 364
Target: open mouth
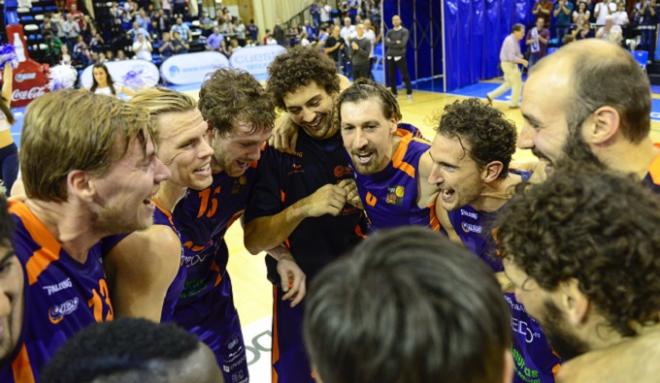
447 194
243 165
203 171
316 124
364 158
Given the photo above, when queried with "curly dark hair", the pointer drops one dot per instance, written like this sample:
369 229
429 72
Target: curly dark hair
490 136
364 89
298 67
231 95
599 227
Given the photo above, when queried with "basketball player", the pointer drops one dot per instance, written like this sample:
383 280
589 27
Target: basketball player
302 198
408 306
240 116
471 155
89 170
590 101
581 250
144 267
129 350
11 289
391 162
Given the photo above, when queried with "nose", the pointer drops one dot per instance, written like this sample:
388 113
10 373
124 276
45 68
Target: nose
525 138
435 176
308 115
360 140
5 303
161 172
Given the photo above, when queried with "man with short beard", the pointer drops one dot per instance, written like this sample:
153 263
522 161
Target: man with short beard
600 115
581 251
599 111
303 198
79 190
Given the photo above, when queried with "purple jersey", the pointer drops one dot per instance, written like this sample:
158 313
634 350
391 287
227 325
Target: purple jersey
62 295
203 217
534 361
390 196
164 217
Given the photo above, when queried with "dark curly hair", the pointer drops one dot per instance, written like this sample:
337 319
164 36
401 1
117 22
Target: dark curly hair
489 135
599 227
231 95
364 89
298 67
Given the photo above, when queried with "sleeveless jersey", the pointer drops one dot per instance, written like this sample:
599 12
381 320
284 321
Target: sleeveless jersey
390 196
62 296
202 218
534 360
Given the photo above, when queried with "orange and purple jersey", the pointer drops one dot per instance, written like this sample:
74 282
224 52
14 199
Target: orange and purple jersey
62 296
390 197
652 179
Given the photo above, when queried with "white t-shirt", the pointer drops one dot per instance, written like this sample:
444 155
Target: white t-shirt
142 50
620 18
371 35
106 91
603 10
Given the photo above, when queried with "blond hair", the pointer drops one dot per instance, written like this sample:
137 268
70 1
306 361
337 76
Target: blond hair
75 130
158 101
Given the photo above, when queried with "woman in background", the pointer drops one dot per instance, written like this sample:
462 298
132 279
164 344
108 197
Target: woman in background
102 83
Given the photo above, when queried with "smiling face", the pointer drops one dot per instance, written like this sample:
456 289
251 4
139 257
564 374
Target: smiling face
454 172
184 148
235 151
367 134
310 107
123 200
11 300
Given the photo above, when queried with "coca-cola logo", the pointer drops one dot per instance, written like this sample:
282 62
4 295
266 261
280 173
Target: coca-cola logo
20 77
31 94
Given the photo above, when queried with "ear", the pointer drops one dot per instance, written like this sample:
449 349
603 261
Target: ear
80 184
492 171
573 302
394 125
606 124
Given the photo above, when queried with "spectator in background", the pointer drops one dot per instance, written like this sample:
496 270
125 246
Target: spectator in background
360 48
81 54
324 11
353 6
142 48
581 14
543 8
510 57
179 44
279 35
215 40
562 18
154 31
179 8
370 33
253 30
121 55
646 14
136 31
109 55
48 25
610 31
232 47
621 16
347 32
396 42
604 9
53 48
97 44
142 19
166 47
323 34
315 12
65 57
239 30
71 31
182 29
537 41
77 16
206 23
583 31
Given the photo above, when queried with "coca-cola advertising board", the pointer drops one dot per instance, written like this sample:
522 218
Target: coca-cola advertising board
30 77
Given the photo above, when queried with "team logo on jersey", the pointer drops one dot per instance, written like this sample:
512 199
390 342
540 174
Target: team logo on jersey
52 289
395 195
468 228
58 312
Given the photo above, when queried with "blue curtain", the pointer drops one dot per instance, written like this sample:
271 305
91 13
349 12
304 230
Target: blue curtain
474 31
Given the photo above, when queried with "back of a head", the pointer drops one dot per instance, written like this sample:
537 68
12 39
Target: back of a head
598 227
298 67
75 130
231 95
603 73
126 350
407 306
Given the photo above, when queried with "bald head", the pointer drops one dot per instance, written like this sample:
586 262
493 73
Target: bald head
594 73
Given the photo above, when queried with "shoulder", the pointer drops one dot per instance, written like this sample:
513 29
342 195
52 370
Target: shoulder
141 250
